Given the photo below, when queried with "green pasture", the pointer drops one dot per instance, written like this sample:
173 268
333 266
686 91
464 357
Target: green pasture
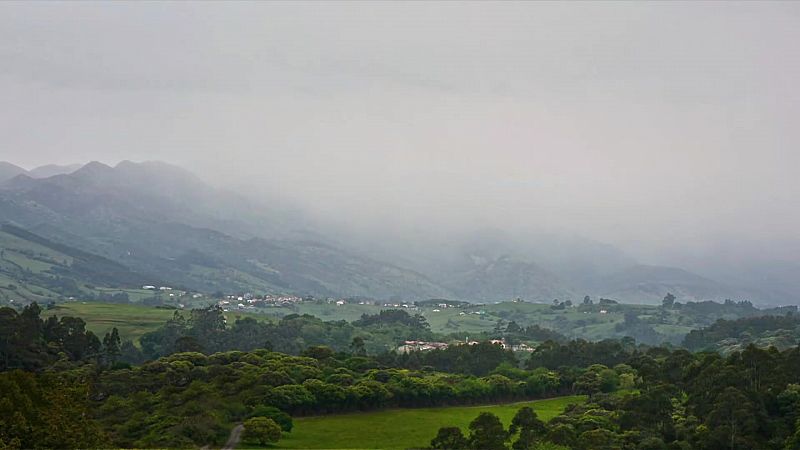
402 428
132 321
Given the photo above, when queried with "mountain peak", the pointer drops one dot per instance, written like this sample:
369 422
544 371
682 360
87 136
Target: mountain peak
94 167
9 171
50 170
94 171
20 181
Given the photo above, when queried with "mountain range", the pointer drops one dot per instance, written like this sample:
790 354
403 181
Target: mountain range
156 221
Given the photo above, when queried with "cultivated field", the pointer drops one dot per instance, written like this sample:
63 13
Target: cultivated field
132 321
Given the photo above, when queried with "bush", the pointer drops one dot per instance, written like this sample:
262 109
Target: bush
281 418
261 430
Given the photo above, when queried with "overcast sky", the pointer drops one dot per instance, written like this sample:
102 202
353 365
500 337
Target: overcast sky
638 124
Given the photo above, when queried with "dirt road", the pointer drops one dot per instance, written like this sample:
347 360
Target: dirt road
234 438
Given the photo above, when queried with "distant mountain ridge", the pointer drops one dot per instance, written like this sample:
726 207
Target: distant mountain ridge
164 222
9 171
647 284
160 220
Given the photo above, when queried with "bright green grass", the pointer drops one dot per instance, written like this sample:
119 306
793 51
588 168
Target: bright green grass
402 428
132 321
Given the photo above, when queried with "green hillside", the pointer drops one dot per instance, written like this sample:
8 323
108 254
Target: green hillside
33 268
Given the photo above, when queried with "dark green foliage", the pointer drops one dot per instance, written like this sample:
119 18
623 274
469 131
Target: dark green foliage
514 333
111 346
479 359
581 353
449 438
747 329
748 400
392 317
531 430
486 432
261 430
271 412
292 334
161 402
30 343
46 411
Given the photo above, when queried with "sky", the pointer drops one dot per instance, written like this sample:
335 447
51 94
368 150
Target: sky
667 129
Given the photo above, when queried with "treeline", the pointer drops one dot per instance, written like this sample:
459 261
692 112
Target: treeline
581 353
206 331
749 329
31 343
515 333
749 400
476 359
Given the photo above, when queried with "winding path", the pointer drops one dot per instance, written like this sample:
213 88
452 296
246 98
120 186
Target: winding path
234 438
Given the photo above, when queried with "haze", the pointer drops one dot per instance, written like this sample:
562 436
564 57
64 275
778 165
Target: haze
667 129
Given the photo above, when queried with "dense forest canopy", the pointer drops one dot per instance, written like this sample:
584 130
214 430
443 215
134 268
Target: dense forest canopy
191 391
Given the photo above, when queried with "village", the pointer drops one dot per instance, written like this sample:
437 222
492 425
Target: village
421 346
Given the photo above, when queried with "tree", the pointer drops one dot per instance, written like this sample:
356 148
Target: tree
487 433
598 439
669 301
589 383
449 438
261 430
112 346
46 411
207 326
270 412
732 420
357 347
188 344
513 327
531 429
319 352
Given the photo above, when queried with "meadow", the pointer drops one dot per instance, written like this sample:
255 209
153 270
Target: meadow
402 428
132 321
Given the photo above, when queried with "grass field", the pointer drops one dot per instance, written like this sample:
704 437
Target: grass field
401 428
132 321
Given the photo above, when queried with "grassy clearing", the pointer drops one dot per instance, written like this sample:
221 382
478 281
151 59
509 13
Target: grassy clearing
402 428
132 321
